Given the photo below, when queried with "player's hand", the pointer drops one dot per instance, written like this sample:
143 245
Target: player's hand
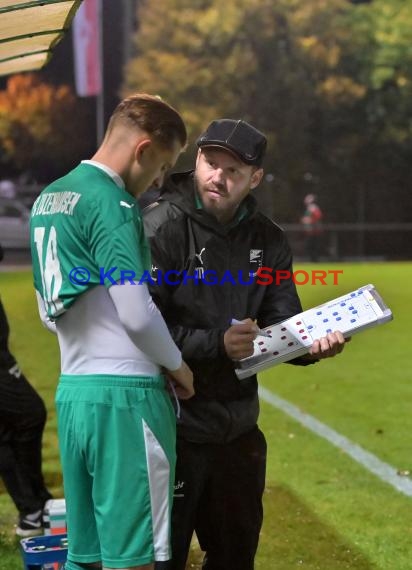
182 380
328 346
238 339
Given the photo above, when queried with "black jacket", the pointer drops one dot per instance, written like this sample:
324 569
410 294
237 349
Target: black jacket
6 358
183 237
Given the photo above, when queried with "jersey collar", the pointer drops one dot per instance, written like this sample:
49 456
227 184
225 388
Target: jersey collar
118 180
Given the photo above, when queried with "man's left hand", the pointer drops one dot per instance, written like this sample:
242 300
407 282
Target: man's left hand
327 346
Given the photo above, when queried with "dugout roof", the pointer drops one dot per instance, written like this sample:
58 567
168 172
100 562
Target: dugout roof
30 30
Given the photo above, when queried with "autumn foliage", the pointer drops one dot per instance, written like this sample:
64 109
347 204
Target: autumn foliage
328 81
42 127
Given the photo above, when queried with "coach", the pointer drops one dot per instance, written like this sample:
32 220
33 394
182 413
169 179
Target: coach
206 220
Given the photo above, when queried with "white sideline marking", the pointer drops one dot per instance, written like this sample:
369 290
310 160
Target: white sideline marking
383 470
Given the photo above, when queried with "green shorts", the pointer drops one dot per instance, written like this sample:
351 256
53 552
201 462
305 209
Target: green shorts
117 446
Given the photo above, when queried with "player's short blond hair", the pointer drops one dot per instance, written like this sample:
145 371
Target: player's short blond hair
152 115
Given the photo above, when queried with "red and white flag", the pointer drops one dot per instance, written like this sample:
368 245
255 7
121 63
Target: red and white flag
86 43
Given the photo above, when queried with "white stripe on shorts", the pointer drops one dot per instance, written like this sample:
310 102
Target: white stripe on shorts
158 469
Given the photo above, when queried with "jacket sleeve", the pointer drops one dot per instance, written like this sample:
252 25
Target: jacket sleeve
194 343
199 344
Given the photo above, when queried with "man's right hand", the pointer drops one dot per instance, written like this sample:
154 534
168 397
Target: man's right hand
238 339
182 379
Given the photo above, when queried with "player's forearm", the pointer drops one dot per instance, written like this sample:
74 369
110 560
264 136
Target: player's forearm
155 341
50 325
145 325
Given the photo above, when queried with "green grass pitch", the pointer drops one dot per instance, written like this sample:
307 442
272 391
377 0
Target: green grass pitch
323 511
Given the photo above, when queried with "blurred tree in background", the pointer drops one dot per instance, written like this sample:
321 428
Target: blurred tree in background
43 129
329 82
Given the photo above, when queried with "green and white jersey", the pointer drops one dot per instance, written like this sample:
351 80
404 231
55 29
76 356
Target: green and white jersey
87 234
86 230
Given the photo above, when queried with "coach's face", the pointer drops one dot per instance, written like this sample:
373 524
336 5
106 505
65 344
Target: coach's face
223 181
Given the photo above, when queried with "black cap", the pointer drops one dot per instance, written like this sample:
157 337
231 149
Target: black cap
239 137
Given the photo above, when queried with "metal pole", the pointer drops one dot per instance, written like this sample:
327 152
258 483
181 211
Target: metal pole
100 95
361 220
129 8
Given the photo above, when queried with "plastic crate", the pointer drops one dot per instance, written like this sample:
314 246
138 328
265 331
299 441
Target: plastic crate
44 552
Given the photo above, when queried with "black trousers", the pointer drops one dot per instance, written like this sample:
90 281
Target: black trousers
218 494
22 420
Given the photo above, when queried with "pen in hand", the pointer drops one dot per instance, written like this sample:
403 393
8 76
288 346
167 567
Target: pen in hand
259 331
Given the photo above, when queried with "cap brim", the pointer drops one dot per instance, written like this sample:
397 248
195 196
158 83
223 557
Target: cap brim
227 148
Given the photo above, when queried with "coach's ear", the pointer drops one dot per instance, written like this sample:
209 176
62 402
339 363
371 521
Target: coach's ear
256 178
199 152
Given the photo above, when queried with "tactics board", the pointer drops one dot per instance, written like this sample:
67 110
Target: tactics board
350 314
